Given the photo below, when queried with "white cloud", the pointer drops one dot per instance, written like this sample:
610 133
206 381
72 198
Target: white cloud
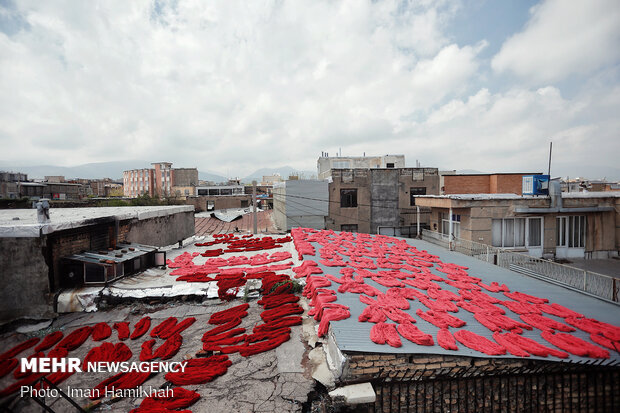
562 38
234 86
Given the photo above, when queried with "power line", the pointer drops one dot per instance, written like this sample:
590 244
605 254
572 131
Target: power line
339 215
350 219
338 202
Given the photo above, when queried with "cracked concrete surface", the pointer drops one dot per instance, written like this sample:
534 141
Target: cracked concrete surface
273 381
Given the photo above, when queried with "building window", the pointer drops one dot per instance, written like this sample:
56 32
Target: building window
244 203
348 198
571 231
445 224
389 165
348 227
341 164
516 232
210 205
413 192
187 192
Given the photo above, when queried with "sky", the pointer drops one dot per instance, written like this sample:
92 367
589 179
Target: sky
233 86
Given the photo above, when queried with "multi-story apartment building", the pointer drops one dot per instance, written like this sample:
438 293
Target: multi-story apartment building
138 182
160 181
325 163
380 200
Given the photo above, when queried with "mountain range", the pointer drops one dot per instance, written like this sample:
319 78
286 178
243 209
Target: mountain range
114 170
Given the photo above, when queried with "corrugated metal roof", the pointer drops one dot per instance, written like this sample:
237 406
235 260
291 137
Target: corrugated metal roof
354 336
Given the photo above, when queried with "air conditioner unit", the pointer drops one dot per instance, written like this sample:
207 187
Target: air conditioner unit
535 185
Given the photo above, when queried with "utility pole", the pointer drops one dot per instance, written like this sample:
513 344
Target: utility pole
549 170
254 206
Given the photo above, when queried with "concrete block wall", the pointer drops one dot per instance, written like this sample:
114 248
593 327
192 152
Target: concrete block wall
24 273
161 231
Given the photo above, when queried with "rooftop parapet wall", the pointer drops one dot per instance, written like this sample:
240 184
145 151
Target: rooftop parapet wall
30 253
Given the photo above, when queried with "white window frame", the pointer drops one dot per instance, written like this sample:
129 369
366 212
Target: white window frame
565 237
511 221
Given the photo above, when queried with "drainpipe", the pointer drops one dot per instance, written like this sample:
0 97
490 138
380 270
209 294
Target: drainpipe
450 236
418 219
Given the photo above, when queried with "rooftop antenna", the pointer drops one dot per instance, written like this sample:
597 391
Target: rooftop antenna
550 148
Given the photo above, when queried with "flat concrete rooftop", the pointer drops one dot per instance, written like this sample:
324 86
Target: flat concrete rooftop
23 222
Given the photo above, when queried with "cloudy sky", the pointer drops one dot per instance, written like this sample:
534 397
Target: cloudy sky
239 85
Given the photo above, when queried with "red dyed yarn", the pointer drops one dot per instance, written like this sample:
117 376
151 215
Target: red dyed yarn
439 294
382 333
332 314
107 352
179 328
558 310
263 335
509 345
594 326
605 342
220 338
479 343
575 345
544 323
101 331
122 329
170 347
15 350
440 319
278 324
199 371
212 253
230 314
141 327
522 308
397 315
19 373
146 354
373 314
49 341
225 284
498 322
75 339
522 297
221 328
533 347
127 380
415 335
446 340
262 346
278 299
163 327
281 311
6 366
494 287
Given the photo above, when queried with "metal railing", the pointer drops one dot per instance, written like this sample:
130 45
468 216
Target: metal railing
599 285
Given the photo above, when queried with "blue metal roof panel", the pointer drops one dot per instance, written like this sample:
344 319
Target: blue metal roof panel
354 336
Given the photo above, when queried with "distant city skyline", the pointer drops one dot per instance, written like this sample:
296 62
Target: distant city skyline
231 87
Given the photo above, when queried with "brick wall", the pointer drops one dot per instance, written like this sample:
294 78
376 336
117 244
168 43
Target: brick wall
466 184
429 383
483 184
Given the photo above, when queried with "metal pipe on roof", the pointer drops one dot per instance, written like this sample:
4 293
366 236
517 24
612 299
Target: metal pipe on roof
529 210
450 236
418 219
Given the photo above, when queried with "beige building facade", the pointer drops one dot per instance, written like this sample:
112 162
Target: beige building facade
380 200
583 225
